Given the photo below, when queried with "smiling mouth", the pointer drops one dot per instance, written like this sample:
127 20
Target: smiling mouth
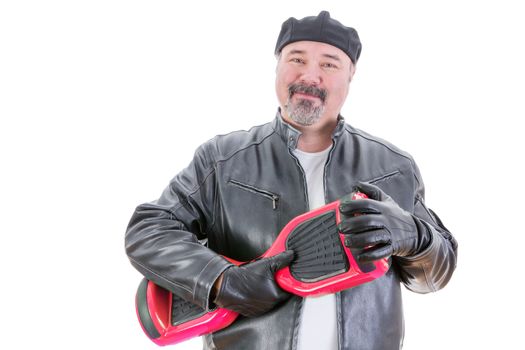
306 92
307 96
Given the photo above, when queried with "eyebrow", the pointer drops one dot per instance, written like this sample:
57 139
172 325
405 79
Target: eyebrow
334 57
295 51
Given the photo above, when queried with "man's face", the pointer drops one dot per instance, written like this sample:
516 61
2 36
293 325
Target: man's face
312 82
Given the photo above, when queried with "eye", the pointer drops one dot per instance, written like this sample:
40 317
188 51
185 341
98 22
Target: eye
329 65
296 60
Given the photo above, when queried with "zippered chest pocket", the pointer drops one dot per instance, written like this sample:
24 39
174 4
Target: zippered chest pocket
250 218
274 198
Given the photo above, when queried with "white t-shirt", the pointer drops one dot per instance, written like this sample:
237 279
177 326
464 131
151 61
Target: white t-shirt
318 327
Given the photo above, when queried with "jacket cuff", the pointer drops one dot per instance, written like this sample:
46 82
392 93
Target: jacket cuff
425 253
206 280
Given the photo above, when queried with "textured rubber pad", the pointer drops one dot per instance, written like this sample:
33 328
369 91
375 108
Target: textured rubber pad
319 253
184 311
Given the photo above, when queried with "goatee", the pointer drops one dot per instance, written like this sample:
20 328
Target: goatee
305 112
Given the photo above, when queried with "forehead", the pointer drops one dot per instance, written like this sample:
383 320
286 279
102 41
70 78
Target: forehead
316 49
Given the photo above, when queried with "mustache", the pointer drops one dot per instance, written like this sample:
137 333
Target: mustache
307 89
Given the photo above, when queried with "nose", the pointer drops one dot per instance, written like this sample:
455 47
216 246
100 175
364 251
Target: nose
311 75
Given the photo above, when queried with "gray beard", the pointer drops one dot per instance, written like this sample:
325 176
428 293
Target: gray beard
304 112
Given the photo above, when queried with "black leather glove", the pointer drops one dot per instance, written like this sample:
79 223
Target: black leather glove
251 289
384 230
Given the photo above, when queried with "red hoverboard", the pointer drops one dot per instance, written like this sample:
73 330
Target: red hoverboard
322 265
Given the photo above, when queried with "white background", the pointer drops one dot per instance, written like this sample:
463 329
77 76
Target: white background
102 102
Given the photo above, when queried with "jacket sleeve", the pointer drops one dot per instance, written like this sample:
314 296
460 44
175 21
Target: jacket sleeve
432 268
162 238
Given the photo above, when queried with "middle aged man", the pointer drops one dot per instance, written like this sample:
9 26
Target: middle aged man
242 188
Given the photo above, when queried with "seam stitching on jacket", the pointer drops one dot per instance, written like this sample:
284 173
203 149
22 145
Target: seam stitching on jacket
213 170
254 143
197 189
215 204
380 143
198 278
400 153
161 276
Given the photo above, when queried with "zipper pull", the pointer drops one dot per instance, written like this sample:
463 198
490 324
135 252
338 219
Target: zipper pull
274 200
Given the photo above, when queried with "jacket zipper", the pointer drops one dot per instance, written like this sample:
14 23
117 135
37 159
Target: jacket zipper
273 197
337 295
300 313
305 185
328 159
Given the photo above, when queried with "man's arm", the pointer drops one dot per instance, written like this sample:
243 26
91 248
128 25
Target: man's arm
422 250
162 242
430 269
162 238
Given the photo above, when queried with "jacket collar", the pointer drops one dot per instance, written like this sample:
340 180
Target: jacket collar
290 135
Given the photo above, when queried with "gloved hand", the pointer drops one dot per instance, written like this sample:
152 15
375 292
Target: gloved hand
251 289
384 229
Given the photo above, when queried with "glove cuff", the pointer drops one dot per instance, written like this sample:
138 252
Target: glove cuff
424 233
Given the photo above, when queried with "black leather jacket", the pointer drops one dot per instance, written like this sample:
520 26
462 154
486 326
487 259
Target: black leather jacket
239 192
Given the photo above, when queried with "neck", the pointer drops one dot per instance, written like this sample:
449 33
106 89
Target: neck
315 138
313 144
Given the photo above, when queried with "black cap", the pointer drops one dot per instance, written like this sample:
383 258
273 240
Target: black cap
320 28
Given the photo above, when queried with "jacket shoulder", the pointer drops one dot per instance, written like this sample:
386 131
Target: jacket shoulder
376 145
223 147
383 152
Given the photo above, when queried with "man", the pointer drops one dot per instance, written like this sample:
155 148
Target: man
242 188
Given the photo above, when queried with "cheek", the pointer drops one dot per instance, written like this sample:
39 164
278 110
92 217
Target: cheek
281 87
341 88
282 92
338 95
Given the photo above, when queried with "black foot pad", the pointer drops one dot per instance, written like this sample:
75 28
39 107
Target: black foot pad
319 253
184 311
